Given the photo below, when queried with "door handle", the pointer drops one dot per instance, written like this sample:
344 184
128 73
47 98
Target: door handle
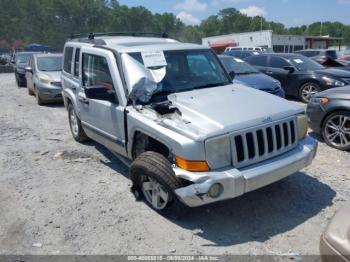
269 72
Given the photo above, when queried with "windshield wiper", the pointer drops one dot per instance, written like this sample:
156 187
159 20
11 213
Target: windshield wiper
210 85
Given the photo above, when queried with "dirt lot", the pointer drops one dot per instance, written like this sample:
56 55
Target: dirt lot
61 197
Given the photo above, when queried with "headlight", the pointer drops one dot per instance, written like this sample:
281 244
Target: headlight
44 79
302 126
218 152
317 100
332 82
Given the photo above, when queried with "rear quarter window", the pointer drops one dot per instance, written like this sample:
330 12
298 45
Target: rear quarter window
67 64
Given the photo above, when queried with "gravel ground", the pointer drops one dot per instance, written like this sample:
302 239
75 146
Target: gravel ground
61 197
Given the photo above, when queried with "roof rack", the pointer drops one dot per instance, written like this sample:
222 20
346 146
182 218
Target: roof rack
91 36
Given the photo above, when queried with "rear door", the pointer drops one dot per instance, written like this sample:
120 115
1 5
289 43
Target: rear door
276 70
259 62
102 120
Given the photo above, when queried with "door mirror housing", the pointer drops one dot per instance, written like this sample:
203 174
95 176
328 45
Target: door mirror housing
232 74
291 69
28 69
99 92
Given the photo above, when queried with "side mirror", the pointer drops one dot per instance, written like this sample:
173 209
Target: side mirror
232 74
100 92
28 69
291 69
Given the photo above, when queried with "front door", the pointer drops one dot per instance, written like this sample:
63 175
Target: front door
102 120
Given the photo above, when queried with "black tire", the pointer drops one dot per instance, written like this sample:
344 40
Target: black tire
79 135
308 88
155 166
326 130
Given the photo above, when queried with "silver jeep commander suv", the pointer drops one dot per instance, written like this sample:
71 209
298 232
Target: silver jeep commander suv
171 112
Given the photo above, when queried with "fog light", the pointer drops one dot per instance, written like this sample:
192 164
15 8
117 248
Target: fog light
215 190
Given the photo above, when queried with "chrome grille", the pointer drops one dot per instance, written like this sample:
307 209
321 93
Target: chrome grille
255 145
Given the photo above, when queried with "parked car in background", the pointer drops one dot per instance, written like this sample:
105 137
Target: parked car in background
43 77
327 58
256 48
344 58
300 76
319 55
329 115
335 241
5 59
21 62
248 75
242 54
170 111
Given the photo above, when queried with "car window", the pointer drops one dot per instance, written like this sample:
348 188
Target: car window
52 64
332 54
68 53
257 60
76 62
277 62
96 71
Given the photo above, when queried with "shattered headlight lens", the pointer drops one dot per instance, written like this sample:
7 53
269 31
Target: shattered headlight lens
218 151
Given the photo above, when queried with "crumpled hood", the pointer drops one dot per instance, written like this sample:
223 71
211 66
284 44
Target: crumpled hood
258 81
55 76
224 109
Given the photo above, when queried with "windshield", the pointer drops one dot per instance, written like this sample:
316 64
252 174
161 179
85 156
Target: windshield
237 65
23 58
175 71
49 63
305 64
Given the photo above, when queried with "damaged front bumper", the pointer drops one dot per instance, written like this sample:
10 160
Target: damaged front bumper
235 182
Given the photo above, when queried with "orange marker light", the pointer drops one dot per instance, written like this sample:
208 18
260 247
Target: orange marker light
324 100
193 166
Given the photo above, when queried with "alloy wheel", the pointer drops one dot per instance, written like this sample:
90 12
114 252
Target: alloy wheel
337 131
155 194
74 122
308 91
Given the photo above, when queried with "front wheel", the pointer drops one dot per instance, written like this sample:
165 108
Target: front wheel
76 129
307 90
154 177
336 130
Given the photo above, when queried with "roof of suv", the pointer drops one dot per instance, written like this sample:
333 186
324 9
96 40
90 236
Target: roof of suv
136 44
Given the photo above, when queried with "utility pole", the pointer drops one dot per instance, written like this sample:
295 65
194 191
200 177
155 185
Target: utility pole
321 29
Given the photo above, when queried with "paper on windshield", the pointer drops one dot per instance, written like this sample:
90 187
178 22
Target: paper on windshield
298 61
239 60
153 59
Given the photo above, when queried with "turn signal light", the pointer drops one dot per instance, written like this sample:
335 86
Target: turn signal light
324 101
193 166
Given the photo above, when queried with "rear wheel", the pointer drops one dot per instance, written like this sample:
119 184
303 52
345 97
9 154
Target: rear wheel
307 90
154 178
336 130
76 129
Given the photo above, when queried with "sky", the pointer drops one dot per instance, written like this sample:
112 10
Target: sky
288 12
